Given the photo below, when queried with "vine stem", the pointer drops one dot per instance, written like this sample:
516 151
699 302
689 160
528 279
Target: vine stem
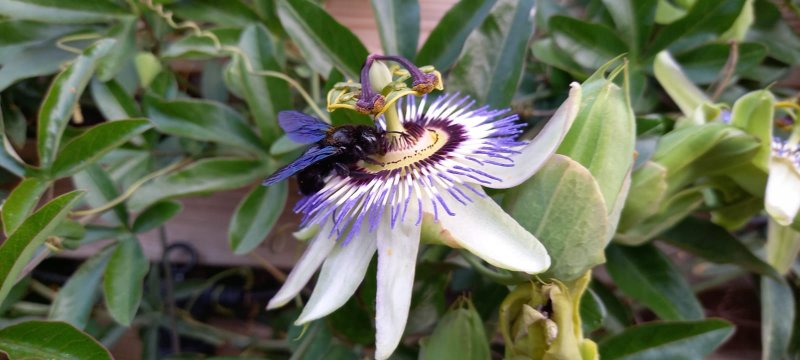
135 186
727 71
190 25
62 42
175 339
271 269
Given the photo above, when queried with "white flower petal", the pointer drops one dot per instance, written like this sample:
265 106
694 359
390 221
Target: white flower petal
340 276
397 258
538 150
782 199
319 248
483 228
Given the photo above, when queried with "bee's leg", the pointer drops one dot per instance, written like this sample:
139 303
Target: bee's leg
372 161
341 170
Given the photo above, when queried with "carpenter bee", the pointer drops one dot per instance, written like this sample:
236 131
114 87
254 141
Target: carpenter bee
334 149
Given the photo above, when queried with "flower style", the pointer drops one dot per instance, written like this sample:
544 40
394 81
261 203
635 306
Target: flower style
431 172
782 199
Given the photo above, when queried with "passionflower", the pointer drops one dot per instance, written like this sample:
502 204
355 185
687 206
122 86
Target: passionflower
440 153
782 199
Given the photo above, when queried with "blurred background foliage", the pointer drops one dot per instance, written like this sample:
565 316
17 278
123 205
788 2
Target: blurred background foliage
138 104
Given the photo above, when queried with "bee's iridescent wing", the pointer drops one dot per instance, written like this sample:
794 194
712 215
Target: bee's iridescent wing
302 128
313 155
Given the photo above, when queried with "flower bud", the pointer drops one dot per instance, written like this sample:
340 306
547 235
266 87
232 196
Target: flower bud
458 335
541 321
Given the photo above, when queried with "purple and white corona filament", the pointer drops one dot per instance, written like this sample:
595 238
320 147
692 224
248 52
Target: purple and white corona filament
448 147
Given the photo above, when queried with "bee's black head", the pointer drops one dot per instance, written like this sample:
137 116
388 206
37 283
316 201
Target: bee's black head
370 139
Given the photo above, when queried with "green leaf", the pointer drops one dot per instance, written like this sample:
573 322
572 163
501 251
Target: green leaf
226 13
713 243
20 246
101 190
618 314
593 312
647 193
267 10
69 229
648 276
147 66
316 342
776 34
20 202
206 175
74 302
324 42
754 113
283 146
16 34
90 146
705 16
490 66
62 97
398 24
777 317
633 19
95 233
212 84
265 96
38 339
602 137
9 159
590 45
255 216
202 120
734 149
122 282
124 33
112 100
37 60
667 12
704 64
736 214
354 320
693 150
458 335
197 47
683 91
544 205
546 51
13 127
446 40
15 295
673 210
156 215
62 11
667 340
